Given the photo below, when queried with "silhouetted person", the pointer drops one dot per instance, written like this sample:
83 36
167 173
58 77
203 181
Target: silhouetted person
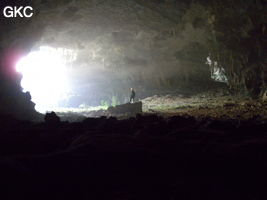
132 95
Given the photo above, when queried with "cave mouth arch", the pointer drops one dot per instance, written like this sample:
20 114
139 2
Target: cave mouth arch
45 72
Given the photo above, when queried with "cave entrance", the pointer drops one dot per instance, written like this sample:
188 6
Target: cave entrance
45 75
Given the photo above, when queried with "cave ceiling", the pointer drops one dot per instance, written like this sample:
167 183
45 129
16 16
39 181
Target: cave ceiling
131 36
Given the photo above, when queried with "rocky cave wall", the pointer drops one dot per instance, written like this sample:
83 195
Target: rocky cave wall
239 43
147 44
17 35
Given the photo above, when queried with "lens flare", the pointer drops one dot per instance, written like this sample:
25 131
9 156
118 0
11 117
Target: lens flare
44 76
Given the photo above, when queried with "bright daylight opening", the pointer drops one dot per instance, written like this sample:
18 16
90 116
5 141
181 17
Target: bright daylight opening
45 76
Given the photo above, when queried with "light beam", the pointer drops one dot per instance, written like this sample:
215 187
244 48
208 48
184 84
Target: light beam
44 76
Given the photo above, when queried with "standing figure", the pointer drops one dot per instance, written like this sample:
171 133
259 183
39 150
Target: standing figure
132 95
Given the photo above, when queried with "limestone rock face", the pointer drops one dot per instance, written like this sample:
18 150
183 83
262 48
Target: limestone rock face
135 37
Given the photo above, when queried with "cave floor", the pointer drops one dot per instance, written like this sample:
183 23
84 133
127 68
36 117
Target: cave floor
218 105
214 105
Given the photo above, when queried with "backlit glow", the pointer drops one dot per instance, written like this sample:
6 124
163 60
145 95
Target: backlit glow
44 76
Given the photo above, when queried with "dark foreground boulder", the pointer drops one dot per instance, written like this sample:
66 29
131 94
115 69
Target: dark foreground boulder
127 109
18 105
51 118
